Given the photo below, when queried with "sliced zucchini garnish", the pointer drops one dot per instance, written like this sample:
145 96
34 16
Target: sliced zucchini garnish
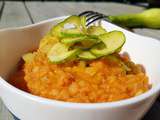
72 20
82 39
96 30
59 53
117 59
72 40
86 55
83 23
64 35
113 41
71 33
75 40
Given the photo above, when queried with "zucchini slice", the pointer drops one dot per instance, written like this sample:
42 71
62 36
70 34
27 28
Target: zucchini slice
96 30
72 40
113 41
83 39
83 23
60 53
71 33
86 55
72 20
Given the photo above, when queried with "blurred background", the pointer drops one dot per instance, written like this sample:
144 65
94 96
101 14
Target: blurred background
144 3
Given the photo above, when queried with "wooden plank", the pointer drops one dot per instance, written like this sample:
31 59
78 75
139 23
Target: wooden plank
14 14
45 10
54 9
148 32
1 7
5 115
1 4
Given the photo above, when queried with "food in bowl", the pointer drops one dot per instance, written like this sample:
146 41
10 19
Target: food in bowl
76 63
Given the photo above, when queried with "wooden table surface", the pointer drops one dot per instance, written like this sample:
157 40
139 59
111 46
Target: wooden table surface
13 14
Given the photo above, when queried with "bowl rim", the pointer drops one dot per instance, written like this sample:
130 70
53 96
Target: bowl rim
153 91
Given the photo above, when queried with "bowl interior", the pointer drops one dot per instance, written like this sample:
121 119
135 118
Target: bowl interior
17 41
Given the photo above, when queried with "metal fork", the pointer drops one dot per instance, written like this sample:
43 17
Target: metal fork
92 16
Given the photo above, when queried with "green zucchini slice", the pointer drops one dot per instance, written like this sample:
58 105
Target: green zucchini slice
113 41
60 53
86 55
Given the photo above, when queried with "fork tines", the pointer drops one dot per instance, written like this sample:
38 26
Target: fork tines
92 16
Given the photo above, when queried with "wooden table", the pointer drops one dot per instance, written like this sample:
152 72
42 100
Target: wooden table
13 14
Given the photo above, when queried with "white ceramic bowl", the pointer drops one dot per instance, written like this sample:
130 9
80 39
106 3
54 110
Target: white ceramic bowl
16 41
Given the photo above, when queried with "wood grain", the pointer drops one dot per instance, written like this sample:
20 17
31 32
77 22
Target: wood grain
14 14
148 32
4 113
45 10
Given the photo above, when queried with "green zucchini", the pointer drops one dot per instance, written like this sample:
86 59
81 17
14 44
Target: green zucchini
113 41
86 55
75 21
60 53
149 18
96 30
72 40
81 39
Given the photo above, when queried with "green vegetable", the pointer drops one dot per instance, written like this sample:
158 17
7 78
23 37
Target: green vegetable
72 40
149 18
76 41
86 55
73 21
96 30
89 42
60 53
71 33
64 35
83 23
112 41
83 39
118 60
